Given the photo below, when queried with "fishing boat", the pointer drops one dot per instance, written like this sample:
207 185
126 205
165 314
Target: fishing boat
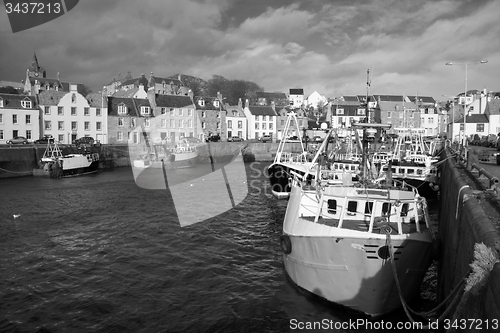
183 155
413 162
354 243
286 160
54 164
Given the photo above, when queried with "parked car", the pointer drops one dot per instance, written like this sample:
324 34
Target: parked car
45 139
17 140
84 141
317 139
266 138
492 140
293 138
234 139
191 139
213 138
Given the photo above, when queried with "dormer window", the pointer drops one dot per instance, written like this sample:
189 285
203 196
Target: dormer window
340 111
145 110
216 103
122 109
73 98
235 113
26 103
201 102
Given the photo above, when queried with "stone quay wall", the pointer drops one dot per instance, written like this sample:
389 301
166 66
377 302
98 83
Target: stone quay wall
17 161
466 221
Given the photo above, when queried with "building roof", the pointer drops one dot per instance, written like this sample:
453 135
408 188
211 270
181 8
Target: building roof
64 86
493 107
95 100
349 99
474 119
126 93
297 91
396 105
132 104
168 80
389 98
13 101
51 97
173 101
137 81
262 110
423 99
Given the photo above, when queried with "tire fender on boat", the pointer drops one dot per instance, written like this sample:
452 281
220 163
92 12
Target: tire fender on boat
286 244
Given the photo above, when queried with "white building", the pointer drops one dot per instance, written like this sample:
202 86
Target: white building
236 121
68 116
315 100
19 116
296 97
262 120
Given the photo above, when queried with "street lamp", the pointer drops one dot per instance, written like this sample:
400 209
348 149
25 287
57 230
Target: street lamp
465 94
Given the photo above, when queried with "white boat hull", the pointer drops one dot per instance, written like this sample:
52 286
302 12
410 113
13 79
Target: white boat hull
352 267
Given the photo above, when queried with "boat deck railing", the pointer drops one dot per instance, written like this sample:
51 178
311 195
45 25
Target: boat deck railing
287 157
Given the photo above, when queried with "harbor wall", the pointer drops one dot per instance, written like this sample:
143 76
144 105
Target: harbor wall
18 161
467 219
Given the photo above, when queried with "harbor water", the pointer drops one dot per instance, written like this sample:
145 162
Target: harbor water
98 253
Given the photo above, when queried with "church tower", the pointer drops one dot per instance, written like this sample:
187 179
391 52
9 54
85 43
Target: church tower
35 70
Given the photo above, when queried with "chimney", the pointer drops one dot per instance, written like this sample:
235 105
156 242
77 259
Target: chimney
179 77
58 77
246 103
219 96
240 104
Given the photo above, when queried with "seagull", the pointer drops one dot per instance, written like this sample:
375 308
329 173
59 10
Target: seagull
16 215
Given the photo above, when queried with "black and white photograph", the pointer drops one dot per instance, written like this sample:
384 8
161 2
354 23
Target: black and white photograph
249 166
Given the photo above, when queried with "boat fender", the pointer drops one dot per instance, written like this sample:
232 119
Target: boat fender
286 244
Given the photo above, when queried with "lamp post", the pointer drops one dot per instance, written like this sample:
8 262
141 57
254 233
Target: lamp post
464 142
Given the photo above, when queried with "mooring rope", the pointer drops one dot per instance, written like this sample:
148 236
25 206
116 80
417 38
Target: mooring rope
455 293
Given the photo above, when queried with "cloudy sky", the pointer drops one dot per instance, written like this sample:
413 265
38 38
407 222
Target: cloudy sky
317 45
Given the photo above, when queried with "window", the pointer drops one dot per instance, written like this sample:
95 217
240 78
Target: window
119 136
1 118
73 98
190 112
28 134
60 125
404 210
86 111
87 125
74 125
201 102
122 109
48 125
98 126
190 123
163 123
203 114
120 122
180 112
361 112
270 126
145 110
479 127
1 134
147 122
264 126
60 138
388 114
256 118
235 113
132 122
368 208
431 120
172 123
180 123
28 119
216 103
163 110
73 111
60 111
352 207
256 126
46 110
14 118
98 112
229 123
26 104
218 126
240 134
332 206
218 114
386 208
340 111
240 124
203 125
282 122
